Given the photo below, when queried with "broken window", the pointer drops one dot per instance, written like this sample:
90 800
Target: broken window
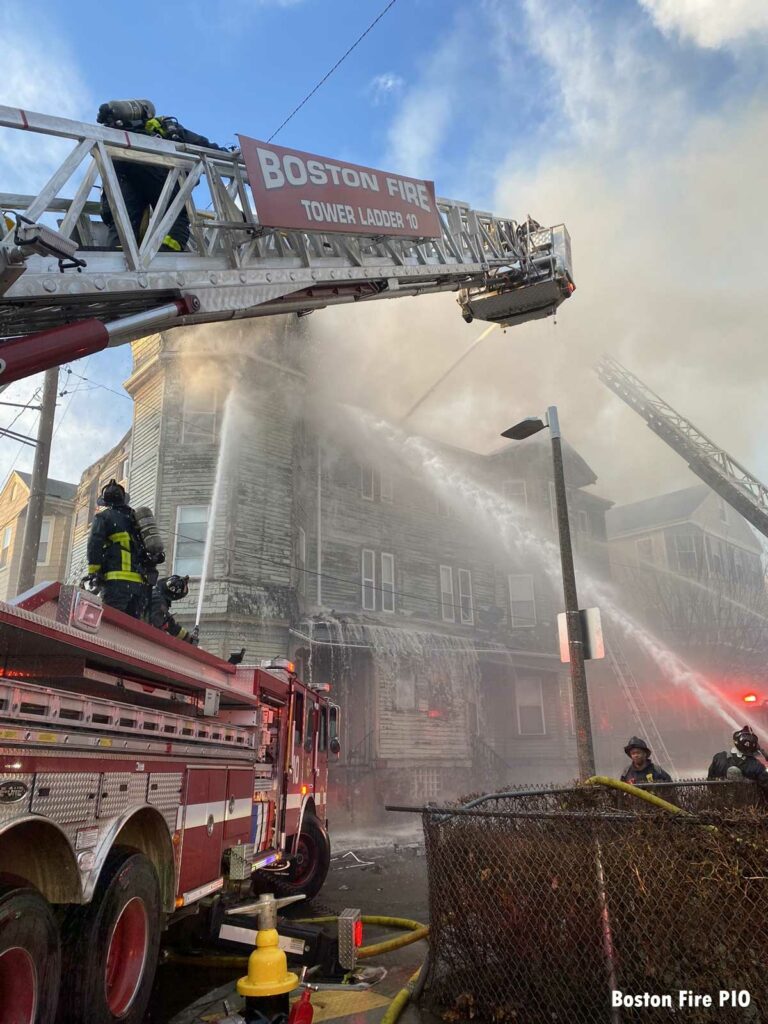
199 416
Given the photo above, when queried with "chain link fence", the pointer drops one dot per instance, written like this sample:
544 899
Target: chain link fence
545 902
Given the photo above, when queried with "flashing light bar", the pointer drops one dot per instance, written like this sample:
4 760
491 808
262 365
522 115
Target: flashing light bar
750 698
279 663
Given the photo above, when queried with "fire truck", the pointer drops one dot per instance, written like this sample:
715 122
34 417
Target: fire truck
141 780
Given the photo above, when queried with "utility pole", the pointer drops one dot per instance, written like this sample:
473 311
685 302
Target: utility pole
39 484
584 748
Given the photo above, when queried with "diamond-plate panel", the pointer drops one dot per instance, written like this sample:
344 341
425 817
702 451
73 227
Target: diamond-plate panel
164 793
119 791
9 788
66 796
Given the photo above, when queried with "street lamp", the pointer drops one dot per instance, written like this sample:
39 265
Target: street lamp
525 428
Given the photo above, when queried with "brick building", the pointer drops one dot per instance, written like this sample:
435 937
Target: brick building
438 640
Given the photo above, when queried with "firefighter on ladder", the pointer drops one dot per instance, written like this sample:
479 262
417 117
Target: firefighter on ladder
117 557
142 183
171 588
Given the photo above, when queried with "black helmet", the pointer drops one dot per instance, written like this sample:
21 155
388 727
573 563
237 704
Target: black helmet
113 493
175 587
635 743
746 741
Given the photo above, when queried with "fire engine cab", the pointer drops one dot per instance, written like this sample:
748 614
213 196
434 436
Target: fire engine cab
140 778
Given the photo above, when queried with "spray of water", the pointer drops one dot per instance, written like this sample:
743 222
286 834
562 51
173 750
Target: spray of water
504 522
224 450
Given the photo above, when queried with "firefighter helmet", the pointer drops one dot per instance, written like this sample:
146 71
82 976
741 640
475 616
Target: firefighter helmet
635 743
175 587
113 493
746 741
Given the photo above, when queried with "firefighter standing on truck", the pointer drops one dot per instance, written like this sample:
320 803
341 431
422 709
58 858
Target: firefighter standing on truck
172 588
142 183
117 555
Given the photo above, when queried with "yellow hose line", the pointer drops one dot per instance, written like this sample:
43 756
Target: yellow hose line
415 929
386 947
401 1000
641 794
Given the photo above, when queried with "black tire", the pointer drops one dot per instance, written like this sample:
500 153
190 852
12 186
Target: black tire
309 866
30 958
110 946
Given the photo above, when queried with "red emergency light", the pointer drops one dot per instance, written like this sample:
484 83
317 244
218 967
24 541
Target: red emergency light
357 934
749 698
434 713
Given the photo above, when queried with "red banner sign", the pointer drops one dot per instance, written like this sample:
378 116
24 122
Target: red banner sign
312 193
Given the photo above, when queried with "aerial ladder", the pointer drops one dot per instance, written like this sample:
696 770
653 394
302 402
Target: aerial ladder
727 477
65 294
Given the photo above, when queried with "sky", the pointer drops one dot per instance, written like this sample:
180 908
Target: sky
640 124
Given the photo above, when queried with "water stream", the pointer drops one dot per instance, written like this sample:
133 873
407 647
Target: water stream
218 487
503 522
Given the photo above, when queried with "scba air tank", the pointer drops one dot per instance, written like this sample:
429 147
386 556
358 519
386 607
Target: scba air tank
122 112
149 533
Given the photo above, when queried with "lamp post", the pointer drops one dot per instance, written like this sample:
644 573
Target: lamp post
584 749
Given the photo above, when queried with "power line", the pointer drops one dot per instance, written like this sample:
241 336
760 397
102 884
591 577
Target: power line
96 384
328 75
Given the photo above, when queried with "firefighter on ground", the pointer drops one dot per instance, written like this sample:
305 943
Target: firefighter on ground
116 554
642 768
142 183
166 590
740 763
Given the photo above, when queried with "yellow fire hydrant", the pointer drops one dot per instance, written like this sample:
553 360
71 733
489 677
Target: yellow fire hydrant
268 981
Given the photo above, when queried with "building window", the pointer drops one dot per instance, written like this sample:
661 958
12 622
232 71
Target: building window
446 593
522 605
46 535
301 560
722 505
199 417
5 546
465 597
191 528
644 548
125 469
405 689
514 493
552 506
369 579
443 508
530 707
385 485
387 583
582 521
366 481
685 553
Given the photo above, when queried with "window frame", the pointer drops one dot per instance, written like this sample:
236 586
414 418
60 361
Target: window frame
385 593
368 581
512 622
5 546
505 489
50 521
519 705
367 467
386 493
190 395
177 539
450 606
469 619
690 538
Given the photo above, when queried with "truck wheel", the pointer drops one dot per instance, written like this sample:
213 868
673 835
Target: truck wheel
30 958
309 866
111 945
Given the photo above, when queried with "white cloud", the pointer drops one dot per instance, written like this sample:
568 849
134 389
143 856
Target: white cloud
38 75
385 86
710 23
